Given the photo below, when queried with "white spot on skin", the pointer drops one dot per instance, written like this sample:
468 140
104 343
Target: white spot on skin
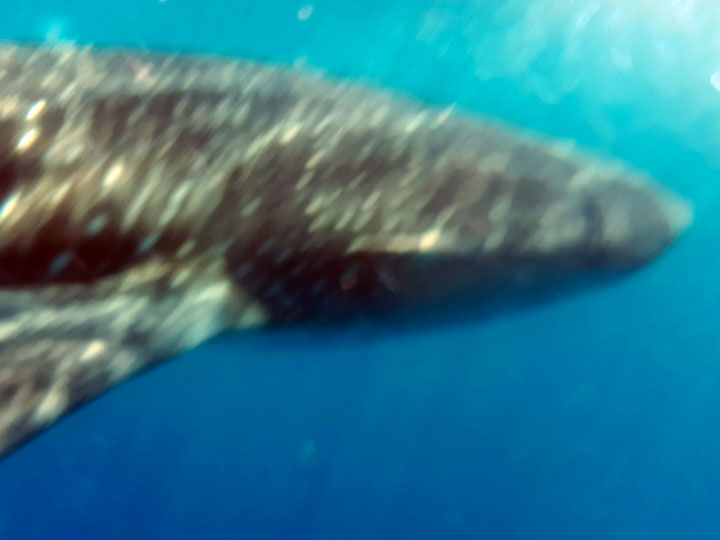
61 192
429 240
371 200
557 230
444 115
59 263
325 122
173 206
9 329
563 149
583 177
9 205
414 123
35 110
52 405
315 159
380 115
180 278
573 230
314 205
495 239
93 350
495 162
27 140
67 92
304 180
433 239
322 220
142 72
66 151
362 220
445 216
136 205
113 174
186 248
290 134
500 209
250 208
97 225
122 366
252 317
9 105
147 243
344 220
616 228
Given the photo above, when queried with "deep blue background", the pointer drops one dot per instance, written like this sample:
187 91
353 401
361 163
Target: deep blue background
594 417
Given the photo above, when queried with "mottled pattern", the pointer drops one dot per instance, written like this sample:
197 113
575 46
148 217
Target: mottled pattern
148 202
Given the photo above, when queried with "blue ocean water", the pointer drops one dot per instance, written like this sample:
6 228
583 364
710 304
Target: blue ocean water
596 416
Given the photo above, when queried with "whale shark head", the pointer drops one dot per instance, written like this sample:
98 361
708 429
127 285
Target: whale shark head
490 219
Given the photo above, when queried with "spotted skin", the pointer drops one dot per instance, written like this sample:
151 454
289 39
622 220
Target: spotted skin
150 201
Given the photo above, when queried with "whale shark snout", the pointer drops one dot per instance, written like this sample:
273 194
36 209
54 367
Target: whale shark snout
637 222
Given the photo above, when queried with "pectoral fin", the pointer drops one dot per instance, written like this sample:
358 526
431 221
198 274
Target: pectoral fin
43 377
61 346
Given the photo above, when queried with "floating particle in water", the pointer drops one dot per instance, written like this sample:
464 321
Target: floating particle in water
305 12
715 80
56 31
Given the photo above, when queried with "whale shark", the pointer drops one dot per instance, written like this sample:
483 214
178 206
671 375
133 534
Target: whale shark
150 200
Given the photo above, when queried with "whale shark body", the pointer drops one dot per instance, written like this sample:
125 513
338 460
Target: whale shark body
150 201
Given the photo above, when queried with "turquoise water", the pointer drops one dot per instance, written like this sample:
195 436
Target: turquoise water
597 416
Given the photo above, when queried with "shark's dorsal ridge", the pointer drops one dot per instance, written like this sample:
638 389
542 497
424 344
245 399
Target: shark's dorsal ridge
149 201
